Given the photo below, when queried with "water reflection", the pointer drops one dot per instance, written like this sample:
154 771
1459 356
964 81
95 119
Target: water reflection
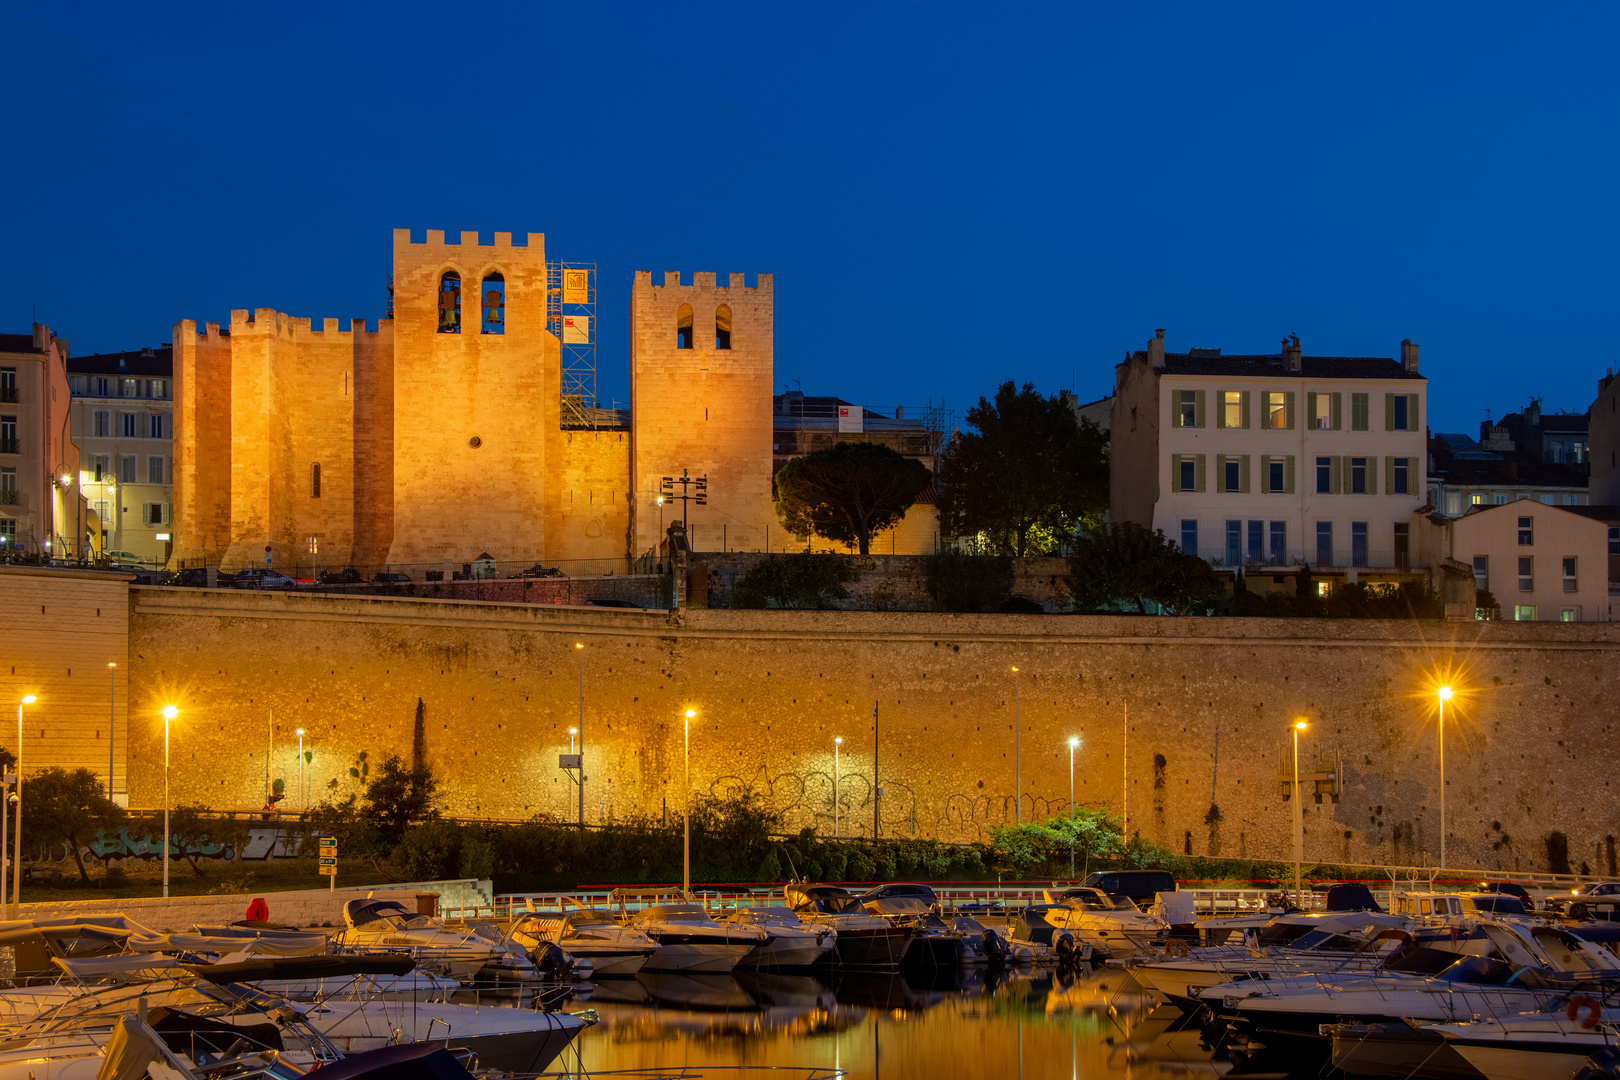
1031 1023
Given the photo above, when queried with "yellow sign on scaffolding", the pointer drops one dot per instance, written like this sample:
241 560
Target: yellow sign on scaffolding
576 287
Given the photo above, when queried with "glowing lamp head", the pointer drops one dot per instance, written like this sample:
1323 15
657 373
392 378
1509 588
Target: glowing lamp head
113 664
1445 693
839 741
299 733
579 645
67 480
1301 725
170 712
573 731
29 699
691 713
1015 669
1074 743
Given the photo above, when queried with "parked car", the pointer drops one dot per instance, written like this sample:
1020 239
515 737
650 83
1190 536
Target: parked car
197 577
1581 902
1140 886
143 575
885 892
1509 888
391 579
346 576
261 578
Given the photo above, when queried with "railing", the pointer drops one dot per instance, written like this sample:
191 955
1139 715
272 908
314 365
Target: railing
10 497
10 446
8 395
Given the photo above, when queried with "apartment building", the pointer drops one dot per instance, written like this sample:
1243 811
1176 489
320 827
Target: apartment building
1464 474
123 421
1274 460
1557 438
1542 563
41 513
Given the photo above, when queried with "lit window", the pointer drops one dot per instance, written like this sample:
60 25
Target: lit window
1569 614
1453 503
132 388
1321 588
1323 420
1276 409
159 388
1524 613
1476 499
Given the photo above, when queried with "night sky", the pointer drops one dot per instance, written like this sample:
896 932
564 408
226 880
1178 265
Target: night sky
949 196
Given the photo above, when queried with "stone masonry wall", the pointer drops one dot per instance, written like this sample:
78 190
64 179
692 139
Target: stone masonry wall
1529 746
889 582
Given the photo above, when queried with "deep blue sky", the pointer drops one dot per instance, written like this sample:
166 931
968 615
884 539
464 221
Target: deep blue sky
949 196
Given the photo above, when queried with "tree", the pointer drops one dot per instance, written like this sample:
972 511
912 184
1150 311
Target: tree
190 830
1120 565
399 797
959 582
1030 471
848 492
62 807
809 580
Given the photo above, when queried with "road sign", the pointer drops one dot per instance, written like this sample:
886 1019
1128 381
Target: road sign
328 852
328 860
329 871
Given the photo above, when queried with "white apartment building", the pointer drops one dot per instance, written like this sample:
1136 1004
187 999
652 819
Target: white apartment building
1274 460
1542 563
123 421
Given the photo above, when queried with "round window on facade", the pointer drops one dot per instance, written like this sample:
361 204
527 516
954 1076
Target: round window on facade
475 442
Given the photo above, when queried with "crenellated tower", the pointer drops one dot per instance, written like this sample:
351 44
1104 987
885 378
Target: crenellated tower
701 375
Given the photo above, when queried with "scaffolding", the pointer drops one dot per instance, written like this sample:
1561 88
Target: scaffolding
571 316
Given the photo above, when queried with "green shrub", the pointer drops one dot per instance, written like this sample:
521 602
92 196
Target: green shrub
959 582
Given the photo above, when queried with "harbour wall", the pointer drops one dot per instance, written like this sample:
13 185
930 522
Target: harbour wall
487 692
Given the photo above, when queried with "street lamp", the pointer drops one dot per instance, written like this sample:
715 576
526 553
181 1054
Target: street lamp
169 713
838 742
1018 722
1444 694
1074 744
300 766
16 861
686 842
579 647
1299 815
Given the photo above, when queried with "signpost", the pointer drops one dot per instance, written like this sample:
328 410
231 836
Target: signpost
329 861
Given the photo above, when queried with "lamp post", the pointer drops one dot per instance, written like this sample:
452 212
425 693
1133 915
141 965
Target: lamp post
16 859
112 722
1444 694
838 742
1018 723
1299 815
1074 743
579 648
169 713
300 762
686 841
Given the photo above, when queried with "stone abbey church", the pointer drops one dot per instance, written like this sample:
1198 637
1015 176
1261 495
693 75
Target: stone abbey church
439 436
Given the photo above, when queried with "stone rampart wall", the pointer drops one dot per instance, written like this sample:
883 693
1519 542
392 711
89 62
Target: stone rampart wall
889 582
492 691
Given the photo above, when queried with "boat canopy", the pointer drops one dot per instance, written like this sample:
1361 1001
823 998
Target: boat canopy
822 899
302 967
359 912
899 905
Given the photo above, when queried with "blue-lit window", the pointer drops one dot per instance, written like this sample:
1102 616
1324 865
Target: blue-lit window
1279 542
1358 543
1234 542
1324 543
1257 541
1189 535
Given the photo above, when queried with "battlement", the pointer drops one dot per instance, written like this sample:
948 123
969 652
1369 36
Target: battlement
435 239
278 324
703 279
188 328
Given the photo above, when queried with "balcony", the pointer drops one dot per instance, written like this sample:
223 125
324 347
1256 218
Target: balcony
9 497
10 446
8 395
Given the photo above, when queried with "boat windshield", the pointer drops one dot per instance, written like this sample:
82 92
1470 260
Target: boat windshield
1326 941
1477 971
1498 904
591 918
1281 933
1095 900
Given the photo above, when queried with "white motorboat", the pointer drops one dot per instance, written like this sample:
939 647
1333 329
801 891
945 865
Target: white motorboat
1533 1047
1112 925
390 927
864 940
688 940
788 942
1301 944
585 934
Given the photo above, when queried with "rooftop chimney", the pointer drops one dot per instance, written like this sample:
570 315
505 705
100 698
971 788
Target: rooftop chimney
1409 357
1291 359
1533 413
1156 349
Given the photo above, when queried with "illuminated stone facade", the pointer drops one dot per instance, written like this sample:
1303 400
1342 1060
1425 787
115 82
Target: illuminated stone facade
437 437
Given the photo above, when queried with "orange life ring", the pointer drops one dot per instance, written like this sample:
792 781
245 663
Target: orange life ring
1576 1004
1175 947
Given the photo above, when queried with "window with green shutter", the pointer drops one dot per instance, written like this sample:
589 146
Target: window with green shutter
1199 411
1175 472
1288 412
1389 412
